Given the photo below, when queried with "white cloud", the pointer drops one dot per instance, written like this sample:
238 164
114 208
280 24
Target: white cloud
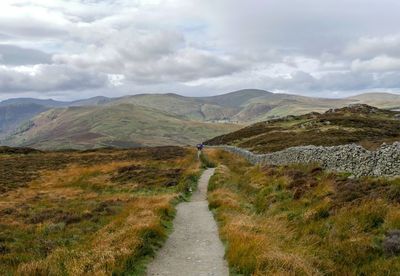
377 64
45 78
197 46
368 47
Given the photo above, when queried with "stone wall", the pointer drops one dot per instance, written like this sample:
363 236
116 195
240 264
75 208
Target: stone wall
347 158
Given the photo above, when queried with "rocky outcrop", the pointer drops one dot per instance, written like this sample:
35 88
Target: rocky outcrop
346 158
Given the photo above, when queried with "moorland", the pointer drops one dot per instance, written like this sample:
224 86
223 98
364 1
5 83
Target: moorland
97 212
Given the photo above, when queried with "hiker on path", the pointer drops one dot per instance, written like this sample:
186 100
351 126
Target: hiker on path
199 149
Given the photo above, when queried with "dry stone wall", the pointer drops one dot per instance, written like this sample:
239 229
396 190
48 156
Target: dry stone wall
346 158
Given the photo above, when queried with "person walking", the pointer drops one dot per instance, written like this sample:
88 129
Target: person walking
199 149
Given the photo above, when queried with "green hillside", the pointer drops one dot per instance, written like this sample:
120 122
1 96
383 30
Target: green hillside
191 108
123 125
163 119
245 106
360 124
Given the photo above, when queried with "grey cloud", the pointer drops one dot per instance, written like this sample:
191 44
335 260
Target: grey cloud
148 57
308 46
369 47
47 78
14 55
377 64
343 81
27 27
185 65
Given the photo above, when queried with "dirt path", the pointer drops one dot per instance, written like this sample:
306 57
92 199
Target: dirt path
194 247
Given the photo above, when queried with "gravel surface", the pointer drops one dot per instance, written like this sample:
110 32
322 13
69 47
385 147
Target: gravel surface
194 247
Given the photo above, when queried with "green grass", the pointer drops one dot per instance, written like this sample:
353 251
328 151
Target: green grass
206 162
303 220
124 125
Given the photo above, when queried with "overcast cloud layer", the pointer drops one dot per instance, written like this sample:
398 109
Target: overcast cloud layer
70 49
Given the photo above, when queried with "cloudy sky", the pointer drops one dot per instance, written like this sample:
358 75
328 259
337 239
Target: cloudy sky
70 49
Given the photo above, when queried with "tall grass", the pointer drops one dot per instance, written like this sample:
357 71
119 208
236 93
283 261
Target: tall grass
94 219
300 220
205 161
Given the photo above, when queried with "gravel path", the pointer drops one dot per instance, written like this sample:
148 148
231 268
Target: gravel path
194 247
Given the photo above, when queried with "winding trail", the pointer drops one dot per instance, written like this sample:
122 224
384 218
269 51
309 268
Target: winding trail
193 248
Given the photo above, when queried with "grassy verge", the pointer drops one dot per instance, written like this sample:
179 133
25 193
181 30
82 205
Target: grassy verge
206 162
97 213
303 220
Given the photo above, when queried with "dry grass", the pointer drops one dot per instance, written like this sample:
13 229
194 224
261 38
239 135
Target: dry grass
109 250
300 220
78 218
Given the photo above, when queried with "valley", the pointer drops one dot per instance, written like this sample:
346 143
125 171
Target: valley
154 119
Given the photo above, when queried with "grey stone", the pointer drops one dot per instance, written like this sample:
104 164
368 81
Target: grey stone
350 158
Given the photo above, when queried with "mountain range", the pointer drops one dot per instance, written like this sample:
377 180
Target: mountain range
154 119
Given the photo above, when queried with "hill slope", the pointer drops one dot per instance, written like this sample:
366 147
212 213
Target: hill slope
14 112
381 100
244 106
124 125
11 116
191 108
360 124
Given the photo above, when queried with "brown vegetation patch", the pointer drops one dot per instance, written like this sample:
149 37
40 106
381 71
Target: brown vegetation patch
145 176
353 190
75 212
18 170
11 150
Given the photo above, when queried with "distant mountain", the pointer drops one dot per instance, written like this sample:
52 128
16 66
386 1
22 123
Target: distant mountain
11 116
99 100
382 100
240 98
14 112
52 103
242 106
189 107
46 102
21 120
122 125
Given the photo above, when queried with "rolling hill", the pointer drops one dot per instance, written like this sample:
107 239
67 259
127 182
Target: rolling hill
191 108
155 118
250 105
361 124
123 125
243 106
381 100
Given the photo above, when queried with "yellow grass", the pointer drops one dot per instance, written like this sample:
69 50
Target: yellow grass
117 241
294 221
81 220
